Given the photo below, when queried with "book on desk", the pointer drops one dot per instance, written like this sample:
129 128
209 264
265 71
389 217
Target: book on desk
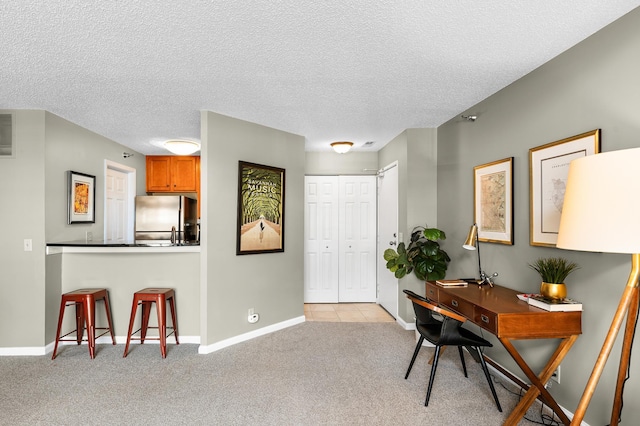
554 305
451 283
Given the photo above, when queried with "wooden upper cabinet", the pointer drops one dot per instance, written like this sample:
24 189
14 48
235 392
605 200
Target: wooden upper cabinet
166 173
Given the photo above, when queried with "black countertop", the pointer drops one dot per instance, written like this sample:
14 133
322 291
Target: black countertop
101 243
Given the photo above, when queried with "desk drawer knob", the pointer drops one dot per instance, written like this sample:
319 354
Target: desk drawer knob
454 303
484 318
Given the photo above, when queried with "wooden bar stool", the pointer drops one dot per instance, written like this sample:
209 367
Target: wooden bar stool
145 298
85 303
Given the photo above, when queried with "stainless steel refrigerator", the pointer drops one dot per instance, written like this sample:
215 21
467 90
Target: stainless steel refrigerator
157 215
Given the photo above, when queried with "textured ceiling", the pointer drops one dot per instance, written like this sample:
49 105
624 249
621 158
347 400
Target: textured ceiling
139 72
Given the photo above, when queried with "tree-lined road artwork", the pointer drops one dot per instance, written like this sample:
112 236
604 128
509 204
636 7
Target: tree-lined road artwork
260 235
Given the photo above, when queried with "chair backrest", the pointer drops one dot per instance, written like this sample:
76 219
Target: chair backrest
450 332
425 303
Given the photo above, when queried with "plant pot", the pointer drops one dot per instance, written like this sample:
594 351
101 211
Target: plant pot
553 291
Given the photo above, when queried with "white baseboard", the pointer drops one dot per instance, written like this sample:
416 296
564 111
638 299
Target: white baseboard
104 340
251 335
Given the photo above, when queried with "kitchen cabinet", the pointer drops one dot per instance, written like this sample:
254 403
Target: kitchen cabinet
167 173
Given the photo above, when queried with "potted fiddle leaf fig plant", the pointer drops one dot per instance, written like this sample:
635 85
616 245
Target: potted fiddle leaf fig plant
423 256
553 271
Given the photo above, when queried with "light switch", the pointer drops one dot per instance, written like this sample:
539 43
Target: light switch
28 245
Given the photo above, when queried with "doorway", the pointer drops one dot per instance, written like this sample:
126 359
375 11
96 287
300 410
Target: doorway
119 193
388 236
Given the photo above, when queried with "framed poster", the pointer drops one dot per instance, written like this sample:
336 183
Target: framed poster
81 204
548 171
493 201
260 209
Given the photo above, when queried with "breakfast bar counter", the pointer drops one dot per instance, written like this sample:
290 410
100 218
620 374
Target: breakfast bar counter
124 269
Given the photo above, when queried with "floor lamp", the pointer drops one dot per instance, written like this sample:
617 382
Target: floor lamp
601 213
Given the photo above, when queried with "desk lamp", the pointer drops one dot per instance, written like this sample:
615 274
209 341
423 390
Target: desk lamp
472 243
602 195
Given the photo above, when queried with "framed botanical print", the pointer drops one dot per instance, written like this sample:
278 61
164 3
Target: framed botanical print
260 209
548 172
493 201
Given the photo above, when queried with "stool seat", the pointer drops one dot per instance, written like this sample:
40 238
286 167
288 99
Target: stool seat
146 297
85 304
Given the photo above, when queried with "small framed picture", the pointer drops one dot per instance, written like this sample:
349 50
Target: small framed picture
81 198
548 172
260 209
493 201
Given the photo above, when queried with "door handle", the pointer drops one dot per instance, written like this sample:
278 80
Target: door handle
392 243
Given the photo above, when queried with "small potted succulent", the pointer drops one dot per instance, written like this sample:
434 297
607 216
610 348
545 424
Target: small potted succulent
553 271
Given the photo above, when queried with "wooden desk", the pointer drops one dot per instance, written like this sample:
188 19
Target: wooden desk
499 311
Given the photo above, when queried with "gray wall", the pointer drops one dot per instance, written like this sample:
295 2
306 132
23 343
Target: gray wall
35 207
593 85
71 147
415 150
271 283
22 213
332 163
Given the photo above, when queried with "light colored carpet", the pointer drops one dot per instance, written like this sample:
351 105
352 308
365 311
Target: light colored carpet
315 373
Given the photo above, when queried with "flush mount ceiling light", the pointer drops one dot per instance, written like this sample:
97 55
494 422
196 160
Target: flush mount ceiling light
181 146
341 147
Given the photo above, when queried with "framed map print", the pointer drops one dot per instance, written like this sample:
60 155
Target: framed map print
493 201
548 171
260 209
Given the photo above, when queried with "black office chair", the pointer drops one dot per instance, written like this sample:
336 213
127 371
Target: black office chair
445 332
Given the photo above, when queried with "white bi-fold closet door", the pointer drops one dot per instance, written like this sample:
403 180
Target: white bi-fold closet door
340 239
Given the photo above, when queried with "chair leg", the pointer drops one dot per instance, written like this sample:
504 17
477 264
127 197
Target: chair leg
161 310
134 307
144 323
432 375
108 312
486 374
174 319
415 354
464 366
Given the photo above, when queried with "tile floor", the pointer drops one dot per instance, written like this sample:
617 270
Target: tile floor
346 312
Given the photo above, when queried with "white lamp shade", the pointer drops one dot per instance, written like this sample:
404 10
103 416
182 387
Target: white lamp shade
601 211
182 147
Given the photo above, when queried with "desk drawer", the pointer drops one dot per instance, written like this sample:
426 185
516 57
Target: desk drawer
432 293
461 306
486 319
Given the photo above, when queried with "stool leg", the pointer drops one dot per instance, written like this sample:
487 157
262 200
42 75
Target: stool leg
146 310
108 310
60 316
173 318
79 322
90 315
134 308
161 308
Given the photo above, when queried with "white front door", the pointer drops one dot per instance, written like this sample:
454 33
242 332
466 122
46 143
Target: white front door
117 206
321 239
387 236
357 239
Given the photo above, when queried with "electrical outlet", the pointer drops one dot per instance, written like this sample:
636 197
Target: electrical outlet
89 236
28 244
556 375
250 311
